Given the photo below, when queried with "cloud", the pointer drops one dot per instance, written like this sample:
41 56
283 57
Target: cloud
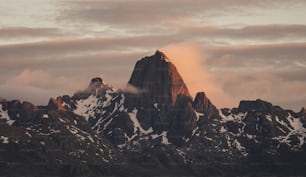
131 89
265 85
278 32
190 60
246 55
273 72
42 79
35 95
38 86
20 32
164 13
64 47
227 78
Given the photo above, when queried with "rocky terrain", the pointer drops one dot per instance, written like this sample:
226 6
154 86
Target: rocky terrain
154 129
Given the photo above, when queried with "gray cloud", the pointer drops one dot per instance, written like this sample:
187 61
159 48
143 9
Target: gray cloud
157 12
272 72
17 32
260 55
265 85
255 32
62 47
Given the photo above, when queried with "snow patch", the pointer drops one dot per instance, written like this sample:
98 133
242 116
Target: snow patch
156 106
137 126
239 147
154 136
4 139
182 154
296 128
108 97
222 130
62 121
269 117
29 135
164 137
250 136
233 117
91 139
72 130
4 116
198 115
85 107
66 105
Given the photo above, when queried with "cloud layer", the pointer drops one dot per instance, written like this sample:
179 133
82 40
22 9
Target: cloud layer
232 49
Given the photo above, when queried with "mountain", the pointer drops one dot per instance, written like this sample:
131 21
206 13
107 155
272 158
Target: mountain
158 79
154 128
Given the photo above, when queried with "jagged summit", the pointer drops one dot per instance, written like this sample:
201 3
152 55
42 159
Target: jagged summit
159 78
95 87
258 105
96 82
161 55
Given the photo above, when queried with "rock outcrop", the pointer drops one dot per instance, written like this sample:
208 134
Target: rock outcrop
159 80
203 105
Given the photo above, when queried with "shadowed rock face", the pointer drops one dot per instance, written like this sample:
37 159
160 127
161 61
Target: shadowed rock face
203 105
55 104
164 102
183 120
159 79
258 105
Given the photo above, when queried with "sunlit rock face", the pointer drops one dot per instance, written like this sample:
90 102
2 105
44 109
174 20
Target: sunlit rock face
158 78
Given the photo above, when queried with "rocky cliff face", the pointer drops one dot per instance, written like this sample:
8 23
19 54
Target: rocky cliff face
158 80
157 130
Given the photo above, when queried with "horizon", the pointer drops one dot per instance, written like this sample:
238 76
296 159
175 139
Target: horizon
233 50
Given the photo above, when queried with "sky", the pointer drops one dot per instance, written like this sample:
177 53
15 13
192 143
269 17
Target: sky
232 50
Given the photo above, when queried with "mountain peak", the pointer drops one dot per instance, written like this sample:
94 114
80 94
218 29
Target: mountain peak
160 55
258 105
96 83
159 79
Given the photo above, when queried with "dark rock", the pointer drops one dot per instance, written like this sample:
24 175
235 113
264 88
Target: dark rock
258 105
203 105
123 122
28 112
146 116
14 108
96 83
158 80
56 104
69 103
118 136
183 121
96 87
302 113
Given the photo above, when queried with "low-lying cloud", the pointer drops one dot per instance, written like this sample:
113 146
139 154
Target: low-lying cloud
38 86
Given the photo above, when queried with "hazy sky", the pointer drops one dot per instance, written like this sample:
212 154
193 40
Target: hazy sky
231 49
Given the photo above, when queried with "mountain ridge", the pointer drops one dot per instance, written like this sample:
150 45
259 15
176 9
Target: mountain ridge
161 130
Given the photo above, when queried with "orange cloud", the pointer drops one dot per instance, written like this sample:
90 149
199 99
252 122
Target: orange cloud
190 61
